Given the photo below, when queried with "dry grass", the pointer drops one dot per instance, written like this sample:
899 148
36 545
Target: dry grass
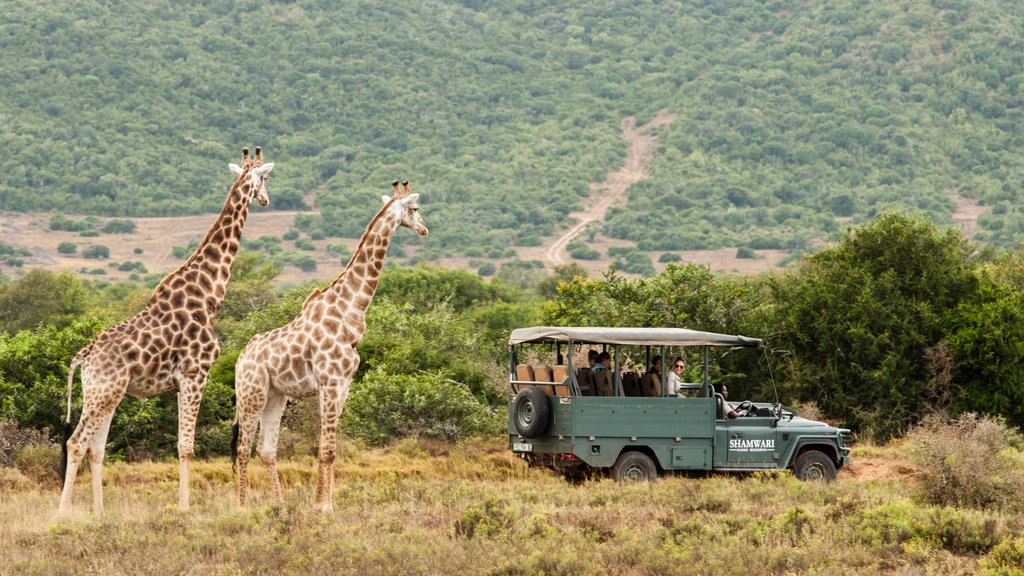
427 508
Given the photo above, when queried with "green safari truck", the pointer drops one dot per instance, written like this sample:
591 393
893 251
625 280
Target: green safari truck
628 419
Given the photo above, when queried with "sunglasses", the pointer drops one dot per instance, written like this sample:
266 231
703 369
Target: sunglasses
680 365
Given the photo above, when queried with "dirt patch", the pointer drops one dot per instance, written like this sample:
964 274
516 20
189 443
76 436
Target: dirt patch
967 212
871 466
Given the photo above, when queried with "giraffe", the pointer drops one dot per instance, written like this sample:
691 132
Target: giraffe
315 354
169 345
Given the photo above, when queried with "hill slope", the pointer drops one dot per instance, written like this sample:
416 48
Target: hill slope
791 118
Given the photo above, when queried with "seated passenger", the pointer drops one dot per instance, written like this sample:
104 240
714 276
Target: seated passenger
674 383
724 407
604 362
655 367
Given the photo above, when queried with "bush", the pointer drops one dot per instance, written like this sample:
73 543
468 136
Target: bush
1007 557
119 227
581 251
966 462
744 252
669 257
39 463
384 407
487 269
290 235
13 439
305 244
491 519
96 251
67 248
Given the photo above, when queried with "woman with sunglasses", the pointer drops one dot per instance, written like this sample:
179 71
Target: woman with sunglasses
674 380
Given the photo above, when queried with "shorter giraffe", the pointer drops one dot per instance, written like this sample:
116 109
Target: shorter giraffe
315 354
169 345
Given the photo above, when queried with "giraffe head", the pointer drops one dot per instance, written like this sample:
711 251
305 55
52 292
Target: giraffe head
409 205
257 174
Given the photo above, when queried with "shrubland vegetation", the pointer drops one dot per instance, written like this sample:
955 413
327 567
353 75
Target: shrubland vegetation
891 324
788 114
427 507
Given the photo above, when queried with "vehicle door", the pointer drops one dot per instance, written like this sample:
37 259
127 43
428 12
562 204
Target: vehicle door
747 442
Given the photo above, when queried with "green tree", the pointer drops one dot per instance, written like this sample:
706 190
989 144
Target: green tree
41 297
34 371
859 318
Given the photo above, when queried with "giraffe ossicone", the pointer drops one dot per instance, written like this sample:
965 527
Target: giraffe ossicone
314 354
169 345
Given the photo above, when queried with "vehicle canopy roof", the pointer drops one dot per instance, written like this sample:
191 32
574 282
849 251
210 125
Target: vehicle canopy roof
627 336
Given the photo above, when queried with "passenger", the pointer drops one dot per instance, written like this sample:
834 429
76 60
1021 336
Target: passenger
674 383
604 362
724 406
655 367
591 357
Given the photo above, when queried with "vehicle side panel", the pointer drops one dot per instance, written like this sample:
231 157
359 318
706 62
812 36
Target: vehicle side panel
679 431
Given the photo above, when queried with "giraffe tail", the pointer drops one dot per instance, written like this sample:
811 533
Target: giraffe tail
67 422
234 445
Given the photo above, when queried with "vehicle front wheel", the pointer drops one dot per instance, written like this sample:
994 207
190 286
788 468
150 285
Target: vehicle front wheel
530 412
814 465
634 467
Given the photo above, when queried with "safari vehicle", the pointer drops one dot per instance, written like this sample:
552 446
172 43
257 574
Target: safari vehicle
566 417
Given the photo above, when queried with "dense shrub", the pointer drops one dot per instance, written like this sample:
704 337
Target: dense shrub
13 439
967 462
67 247
119 227
96 251
384 407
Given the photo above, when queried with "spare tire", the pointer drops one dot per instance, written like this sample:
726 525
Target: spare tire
530 412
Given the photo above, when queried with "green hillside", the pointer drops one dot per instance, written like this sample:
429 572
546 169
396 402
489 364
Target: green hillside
788 113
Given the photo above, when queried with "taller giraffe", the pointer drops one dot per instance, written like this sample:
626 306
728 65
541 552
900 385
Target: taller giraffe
315 354
169 345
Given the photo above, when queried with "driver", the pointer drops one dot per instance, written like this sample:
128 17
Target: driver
722 394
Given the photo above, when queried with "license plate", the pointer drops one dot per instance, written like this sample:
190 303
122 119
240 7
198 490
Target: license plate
522 447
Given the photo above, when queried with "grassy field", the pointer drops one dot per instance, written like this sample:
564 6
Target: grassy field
426 508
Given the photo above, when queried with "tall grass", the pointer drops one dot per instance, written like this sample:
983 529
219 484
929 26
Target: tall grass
428 508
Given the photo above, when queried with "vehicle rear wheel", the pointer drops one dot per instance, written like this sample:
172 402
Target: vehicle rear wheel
814 466
634 467
530 412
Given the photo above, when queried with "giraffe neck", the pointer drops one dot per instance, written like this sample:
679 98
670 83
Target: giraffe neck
355 286
208 269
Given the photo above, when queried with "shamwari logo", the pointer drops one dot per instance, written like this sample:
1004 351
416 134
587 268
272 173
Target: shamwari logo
754 445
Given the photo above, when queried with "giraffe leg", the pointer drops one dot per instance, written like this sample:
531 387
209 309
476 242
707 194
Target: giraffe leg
246 432
332 400
190 394
76 448
96 453
270 427
97 413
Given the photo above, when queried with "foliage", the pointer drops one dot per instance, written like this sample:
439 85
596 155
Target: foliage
384 406
96 252
67 248
968 463
425 287
34 372
41 297
119 227
860 317
986 344
14 438
788 114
